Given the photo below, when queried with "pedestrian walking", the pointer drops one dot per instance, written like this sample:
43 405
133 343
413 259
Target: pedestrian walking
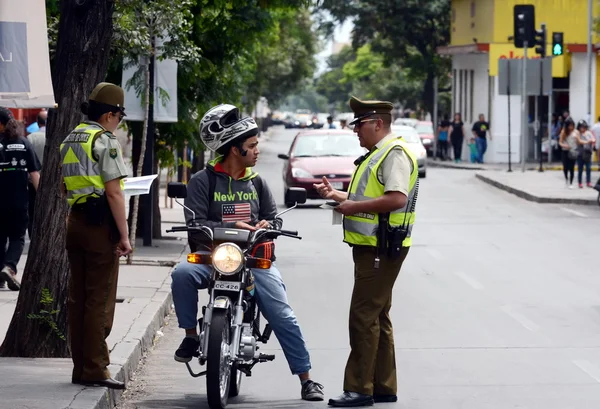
18 163
585 146
93 172
568 144
442 138
378 214
480 130
457 136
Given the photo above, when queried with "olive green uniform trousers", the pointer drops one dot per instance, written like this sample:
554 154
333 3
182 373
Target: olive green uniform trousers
371 367
92 296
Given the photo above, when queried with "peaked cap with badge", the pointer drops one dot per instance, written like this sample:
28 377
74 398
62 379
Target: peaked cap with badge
109 94
364 109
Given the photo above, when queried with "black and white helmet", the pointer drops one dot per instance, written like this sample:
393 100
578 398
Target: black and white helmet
222 124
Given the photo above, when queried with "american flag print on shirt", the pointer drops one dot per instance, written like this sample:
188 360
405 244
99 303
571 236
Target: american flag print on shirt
236 212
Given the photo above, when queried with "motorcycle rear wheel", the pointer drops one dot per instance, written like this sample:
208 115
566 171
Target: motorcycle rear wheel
218 367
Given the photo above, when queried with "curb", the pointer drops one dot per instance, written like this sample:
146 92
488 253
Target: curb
127 354
533 198
436 164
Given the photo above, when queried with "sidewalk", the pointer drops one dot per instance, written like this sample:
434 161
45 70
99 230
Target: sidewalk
143 300
516 167
541 187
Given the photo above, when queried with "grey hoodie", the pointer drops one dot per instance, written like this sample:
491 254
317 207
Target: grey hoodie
233 200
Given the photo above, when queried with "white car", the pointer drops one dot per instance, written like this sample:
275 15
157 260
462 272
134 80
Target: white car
410 135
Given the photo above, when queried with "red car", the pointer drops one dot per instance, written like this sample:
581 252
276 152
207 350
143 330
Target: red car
427 135
318 153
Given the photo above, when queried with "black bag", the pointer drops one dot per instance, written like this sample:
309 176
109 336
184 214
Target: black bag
597 187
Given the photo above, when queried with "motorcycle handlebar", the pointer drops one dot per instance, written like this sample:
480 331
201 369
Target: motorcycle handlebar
290 232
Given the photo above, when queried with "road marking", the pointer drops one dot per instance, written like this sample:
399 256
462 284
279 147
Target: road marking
435 254
589 369
575 212
520 318
473 283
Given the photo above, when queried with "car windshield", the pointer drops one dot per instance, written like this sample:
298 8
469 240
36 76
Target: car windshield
410 135
425 129
327 145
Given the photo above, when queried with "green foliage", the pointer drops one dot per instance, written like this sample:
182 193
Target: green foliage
47 314
405 32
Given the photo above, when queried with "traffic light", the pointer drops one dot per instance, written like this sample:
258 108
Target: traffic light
524 25
540 41
557 44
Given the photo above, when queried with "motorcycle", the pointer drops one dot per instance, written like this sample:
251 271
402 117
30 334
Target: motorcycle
230 322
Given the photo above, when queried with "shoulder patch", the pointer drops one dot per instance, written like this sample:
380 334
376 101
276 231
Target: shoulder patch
110 135
113 153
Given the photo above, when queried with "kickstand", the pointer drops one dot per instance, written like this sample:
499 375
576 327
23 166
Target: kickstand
195 375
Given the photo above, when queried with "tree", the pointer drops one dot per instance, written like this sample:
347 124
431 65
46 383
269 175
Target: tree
406 32
84 35
143 25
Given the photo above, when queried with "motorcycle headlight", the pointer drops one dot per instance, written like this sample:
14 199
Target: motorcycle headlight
227 258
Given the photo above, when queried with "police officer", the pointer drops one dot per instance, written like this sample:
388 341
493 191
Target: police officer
379 214
93 172
17 160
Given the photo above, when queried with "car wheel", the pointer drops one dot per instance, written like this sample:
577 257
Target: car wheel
423 174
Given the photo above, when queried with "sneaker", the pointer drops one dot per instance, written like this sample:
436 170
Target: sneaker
589 184
581 186
312 391
188 348
7 274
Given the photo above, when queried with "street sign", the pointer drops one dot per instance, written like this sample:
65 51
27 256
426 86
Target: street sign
516 75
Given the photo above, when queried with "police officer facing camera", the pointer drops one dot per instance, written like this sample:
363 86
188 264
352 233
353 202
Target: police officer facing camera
97 233
378 214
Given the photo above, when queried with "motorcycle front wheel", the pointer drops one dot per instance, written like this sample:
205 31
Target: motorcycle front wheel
235 382
218 367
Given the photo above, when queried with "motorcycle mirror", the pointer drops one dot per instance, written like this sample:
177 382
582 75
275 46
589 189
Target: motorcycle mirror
295 195
177 190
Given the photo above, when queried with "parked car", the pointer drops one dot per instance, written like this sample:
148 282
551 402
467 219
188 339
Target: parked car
411 137
317 153
427 135
406 122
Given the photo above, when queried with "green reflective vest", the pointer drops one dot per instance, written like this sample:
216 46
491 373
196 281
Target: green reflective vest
361 229
80 170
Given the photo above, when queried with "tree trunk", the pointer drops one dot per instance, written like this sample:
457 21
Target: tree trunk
140 164
428 90
84 36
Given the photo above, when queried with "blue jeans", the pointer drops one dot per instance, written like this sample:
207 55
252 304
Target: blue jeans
271 297
588 170
481 148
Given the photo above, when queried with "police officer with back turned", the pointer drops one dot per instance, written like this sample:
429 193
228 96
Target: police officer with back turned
378 214
97 233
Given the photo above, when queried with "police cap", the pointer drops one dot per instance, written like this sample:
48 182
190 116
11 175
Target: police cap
364 109
108 94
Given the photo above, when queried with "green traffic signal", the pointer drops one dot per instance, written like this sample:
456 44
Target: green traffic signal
557 50
557 43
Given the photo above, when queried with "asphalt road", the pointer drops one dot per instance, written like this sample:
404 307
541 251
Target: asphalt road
497 305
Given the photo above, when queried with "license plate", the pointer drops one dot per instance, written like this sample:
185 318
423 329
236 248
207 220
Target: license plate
337 185
227 286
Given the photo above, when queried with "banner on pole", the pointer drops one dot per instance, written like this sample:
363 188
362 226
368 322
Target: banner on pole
165 78
25 79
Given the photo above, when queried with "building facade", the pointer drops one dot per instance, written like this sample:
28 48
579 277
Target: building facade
480 31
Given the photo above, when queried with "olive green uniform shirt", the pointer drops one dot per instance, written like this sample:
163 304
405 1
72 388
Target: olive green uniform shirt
107 151
394 172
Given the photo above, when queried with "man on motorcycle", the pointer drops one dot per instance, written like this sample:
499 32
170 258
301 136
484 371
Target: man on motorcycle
228 193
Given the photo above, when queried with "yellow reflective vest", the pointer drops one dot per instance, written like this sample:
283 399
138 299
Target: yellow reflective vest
80 170
361 229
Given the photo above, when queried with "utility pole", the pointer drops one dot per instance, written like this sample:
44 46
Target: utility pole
540 41
524 34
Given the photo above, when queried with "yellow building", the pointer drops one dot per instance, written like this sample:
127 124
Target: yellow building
480 31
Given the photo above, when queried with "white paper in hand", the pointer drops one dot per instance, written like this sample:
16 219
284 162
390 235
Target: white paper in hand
336 217
139 185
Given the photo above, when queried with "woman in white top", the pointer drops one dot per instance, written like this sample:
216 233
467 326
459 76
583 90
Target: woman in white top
568 144
585 144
